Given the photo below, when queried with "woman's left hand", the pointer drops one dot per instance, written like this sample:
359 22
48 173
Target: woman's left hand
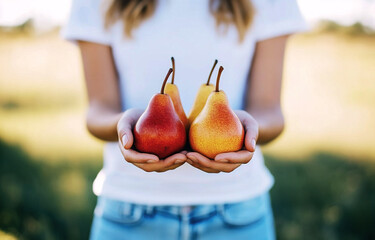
229 161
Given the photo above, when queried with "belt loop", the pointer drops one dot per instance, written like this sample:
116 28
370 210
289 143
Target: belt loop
184 212
149 209
219 208
127 209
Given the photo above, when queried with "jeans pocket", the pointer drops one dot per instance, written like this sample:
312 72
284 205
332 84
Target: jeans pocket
120 212
244 213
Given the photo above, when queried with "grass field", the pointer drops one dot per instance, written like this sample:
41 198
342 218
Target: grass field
329 96
42 98
324 163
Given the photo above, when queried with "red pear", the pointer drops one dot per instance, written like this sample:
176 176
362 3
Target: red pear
159 130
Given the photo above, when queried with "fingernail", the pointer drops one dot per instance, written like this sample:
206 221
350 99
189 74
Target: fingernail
124 140
179 161
253 143
222 161
152 161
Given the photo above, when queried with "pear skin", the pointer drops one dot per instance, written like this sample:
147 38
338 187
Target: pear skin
172 90
201 98
159 130
217 129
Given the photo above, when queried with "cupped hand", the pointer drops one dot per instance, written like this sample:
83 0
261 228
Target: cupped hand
145 161
229 161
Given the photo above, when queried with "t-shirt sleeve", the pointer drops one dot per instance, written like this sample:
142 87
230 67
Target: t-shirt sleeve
86 22
277 18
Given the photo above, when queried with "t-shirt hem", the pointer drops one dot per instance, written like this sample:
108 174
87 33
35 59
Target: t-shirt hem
282 28
218 198
89 35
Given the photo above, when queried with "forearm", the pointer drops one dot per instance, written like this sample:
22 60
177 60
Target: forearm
264 88
102 122
102 86
270 122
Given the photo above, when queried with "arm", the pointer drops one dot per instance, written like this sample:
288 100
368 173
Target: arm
263 98
104 117
102 89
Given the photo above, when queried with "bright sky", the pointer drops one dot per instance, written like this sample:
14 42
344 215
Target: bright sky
49 13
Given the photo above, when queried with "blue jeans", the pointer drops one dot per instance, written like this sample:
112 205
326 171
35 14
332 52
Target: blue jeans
251 219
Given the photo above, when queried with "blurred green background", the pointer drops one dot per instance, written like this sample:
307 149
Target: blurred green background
324 163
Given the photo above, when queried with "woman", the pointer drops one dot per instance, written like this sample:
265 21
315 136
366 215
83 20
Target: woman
126 47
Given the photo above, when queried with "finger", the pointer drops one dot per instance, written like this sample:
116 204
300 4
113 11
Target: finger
125 136
207 163
174 166
196 155
133 156
242 156
127 139
223 167
148 168
125 126
177 158
163 164
200 167
251 132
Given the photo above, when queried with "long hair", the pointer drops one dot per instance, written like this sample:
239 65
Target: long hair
226 12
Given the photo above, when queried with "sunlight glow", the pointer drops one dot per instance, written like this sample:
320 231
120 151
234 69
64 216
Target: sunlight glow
47 13
345 12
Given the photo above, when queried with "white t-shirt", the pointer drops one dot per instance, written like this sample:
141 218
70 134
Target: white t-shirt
186 30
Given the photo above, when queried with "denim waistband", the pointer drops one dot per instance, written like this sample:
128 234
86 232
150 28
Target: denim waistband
131 213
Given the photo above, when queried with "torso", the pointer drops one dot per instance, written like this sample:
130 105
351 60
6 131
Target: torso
187 31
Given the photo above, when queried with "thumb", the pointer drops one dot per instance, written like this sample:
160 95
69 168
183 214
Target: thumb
124 132
125 126
126 138
251 134
250 143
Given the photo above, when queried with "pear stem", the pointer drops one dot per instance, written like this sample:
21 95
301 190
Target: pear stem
218 79
209 77
174 69
165 80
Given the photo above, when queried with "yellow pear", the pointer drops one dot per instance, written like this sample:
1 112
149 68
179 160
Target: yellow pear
172 90
217 128
201 98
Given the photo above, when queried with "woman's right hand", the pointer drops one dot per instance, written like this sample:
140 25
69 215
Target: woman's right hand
145 161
